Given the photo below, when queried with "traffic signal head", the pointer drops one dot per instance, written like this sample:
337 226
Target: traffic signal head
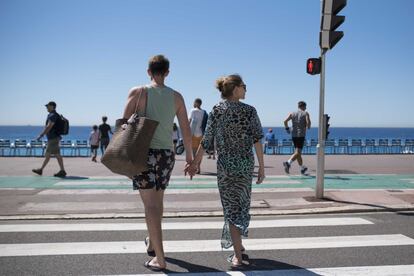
313 66
330 21
333 6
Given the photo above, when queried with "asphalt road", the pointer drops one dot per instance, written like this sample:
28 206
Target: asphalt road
286 245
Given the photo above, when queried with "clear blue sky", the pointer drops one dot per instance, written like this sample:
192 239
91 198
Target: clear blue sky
86 55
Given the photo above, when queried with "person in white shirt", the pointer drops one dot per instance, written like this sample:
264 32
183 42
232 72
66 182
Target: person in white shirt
94 142
198 122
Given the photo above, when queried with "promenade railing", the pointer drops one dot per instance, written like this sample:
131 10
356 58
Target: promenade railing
345 146
81 148
34 148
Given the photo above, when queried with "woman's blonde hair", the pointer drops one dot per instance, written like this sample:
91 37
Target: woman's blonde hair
227 84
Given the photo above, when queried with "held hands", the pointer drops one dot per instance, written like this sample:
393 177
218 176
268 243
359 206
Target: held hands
260 175
191 169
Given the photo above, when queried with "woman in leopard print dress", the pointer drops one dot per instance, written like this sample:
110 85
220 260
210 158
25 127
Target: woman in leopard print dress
236 128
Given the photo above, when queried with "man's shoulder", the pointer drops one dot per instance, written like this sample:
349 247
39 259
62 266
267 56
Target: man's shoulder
53 116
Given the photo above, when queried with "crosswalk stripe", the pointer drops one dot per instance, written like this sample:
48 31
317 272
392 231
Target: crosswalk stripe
214 177
199 225
129 205
173 182
170 190
385 270
128 247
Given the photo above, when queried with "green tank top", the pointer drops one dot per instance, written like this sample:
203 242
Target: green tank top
161 107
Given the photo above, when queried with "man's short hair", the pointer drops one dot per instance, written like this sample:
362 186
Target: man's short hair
301 104
104 118
198 101
158 65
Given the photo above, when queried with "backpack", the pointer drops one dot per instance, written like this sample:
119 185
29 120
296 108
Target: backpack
62 125
204 122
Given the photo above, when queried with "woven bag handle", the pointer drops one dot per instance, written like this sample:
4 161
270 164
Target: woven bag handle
143 90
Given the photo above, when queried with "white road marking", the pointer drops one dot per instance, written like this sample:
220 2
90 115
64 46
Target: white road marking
169 190
54 227
386 270
172 182
129 247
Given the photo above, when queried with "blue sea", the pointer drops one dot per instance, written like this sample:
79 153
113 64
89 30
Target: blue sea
82 133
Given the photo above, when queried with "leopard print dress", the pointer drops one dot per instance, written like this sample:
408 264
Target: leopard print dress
236 127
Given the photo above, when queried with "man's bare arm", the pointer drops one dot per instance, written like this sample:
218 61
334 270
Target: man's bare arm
287 120
46 130
308 121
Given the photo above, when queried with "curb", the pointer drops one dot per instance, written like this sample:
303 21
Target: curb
310 211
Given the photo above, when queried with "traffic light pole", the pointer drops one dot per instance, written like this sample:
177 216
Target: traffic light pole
320 172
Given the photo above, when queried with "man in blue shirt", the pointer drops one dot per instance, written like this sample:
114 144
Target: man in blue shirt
270 140
270 136
53 140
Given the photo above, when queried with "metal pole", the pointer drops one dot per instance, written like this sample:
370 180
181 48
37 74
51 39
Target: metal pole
320 172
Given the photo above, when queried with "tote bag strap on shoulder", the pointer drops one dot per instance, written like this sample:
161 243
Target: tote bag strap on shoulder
143 90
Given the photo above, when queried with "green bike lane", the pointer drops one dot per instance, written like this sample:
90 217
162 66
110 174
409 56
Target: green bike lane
332 181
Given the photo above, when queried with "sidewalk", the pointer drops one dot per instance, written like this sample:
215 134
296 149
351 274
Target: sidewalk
353 184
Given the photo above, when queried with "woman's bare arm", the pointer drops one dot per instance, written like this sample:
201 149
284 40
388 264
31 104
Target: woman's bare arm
182 117
259 152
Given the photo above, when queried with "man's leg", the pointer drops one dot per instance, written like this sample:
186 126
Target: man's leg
103 148
299 156
47 158
292 158
60 161
303 169
195 143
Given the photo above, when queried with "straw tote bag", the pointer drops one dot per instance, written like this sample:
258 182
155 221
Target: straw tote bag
127 152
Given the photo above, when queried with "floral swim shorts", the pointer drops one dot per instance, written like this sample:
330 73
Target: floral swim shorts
160 165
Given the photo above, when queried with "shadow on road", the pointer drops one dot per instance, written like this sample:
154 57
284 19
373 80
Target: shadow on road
189 266
267 266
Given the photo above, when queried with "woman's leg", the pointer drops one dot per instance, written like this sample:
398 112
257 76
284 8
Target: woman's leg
153 204
237 244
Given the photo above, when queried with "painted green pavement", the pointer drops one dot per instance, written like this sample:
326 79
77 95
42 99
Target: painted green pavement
337 181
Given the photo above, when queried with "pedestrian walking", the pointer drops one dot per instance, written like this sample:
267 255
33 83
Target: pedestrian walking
160 103
198 122
300 122
104 130
270 139
212 150
52 132
94 142
236 128
175 136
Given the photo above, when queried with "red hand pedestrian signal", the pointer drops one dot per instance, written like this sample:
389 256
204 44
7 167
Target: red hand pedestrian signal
310 66
313 66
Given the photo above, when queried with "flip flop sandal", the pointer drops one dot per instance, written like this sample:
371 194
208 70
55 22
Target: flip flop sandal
240 266
150 253
245 257
152 267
